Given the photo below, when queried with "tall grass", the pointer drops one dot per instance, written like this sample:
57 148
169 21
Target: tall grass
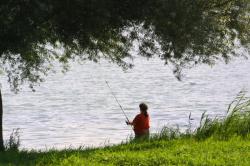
13 143
236 122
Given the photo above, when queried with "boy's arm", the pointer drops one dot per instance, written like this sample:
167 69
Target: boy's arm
129 123
133 122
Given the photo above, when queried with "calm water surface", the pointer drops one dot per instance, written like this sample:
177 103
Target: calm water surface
77 108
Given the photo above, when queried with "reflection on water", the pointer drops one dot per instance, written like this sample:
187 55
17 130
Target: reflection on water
78 109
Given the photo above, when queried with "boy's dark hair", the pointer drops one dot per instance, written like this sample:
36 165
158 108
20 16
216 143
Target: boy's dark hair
144 108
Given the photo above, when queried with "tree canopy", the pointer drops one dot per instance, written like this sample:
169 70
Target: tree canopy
33 33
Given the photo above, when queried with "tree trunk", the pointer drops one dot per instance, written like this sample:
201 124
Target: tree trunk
1 123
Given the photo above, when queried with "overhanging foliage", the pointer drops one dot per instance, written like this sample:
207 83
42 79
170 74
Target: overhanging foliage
178 31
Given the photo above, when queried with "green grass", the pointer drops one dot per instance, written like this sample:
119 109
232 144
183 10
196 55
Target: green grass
235 151
215 142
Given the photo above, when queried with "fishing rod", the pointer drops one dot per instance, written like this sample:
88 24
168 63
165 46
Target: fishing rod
117 100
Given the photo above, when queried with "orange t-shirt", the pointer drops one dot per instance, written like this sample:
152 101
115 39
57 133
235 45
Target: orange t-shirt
141 123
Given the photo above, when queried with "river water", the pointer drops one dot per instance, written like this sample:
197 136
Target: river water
77 108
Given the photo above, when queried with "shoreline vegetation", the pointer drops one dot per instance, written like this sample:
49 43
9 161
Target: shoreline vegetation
217 141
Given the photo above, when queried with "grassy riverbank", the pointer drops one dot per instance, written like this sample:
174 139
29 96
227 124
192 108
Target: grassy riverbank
235 151
215 142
